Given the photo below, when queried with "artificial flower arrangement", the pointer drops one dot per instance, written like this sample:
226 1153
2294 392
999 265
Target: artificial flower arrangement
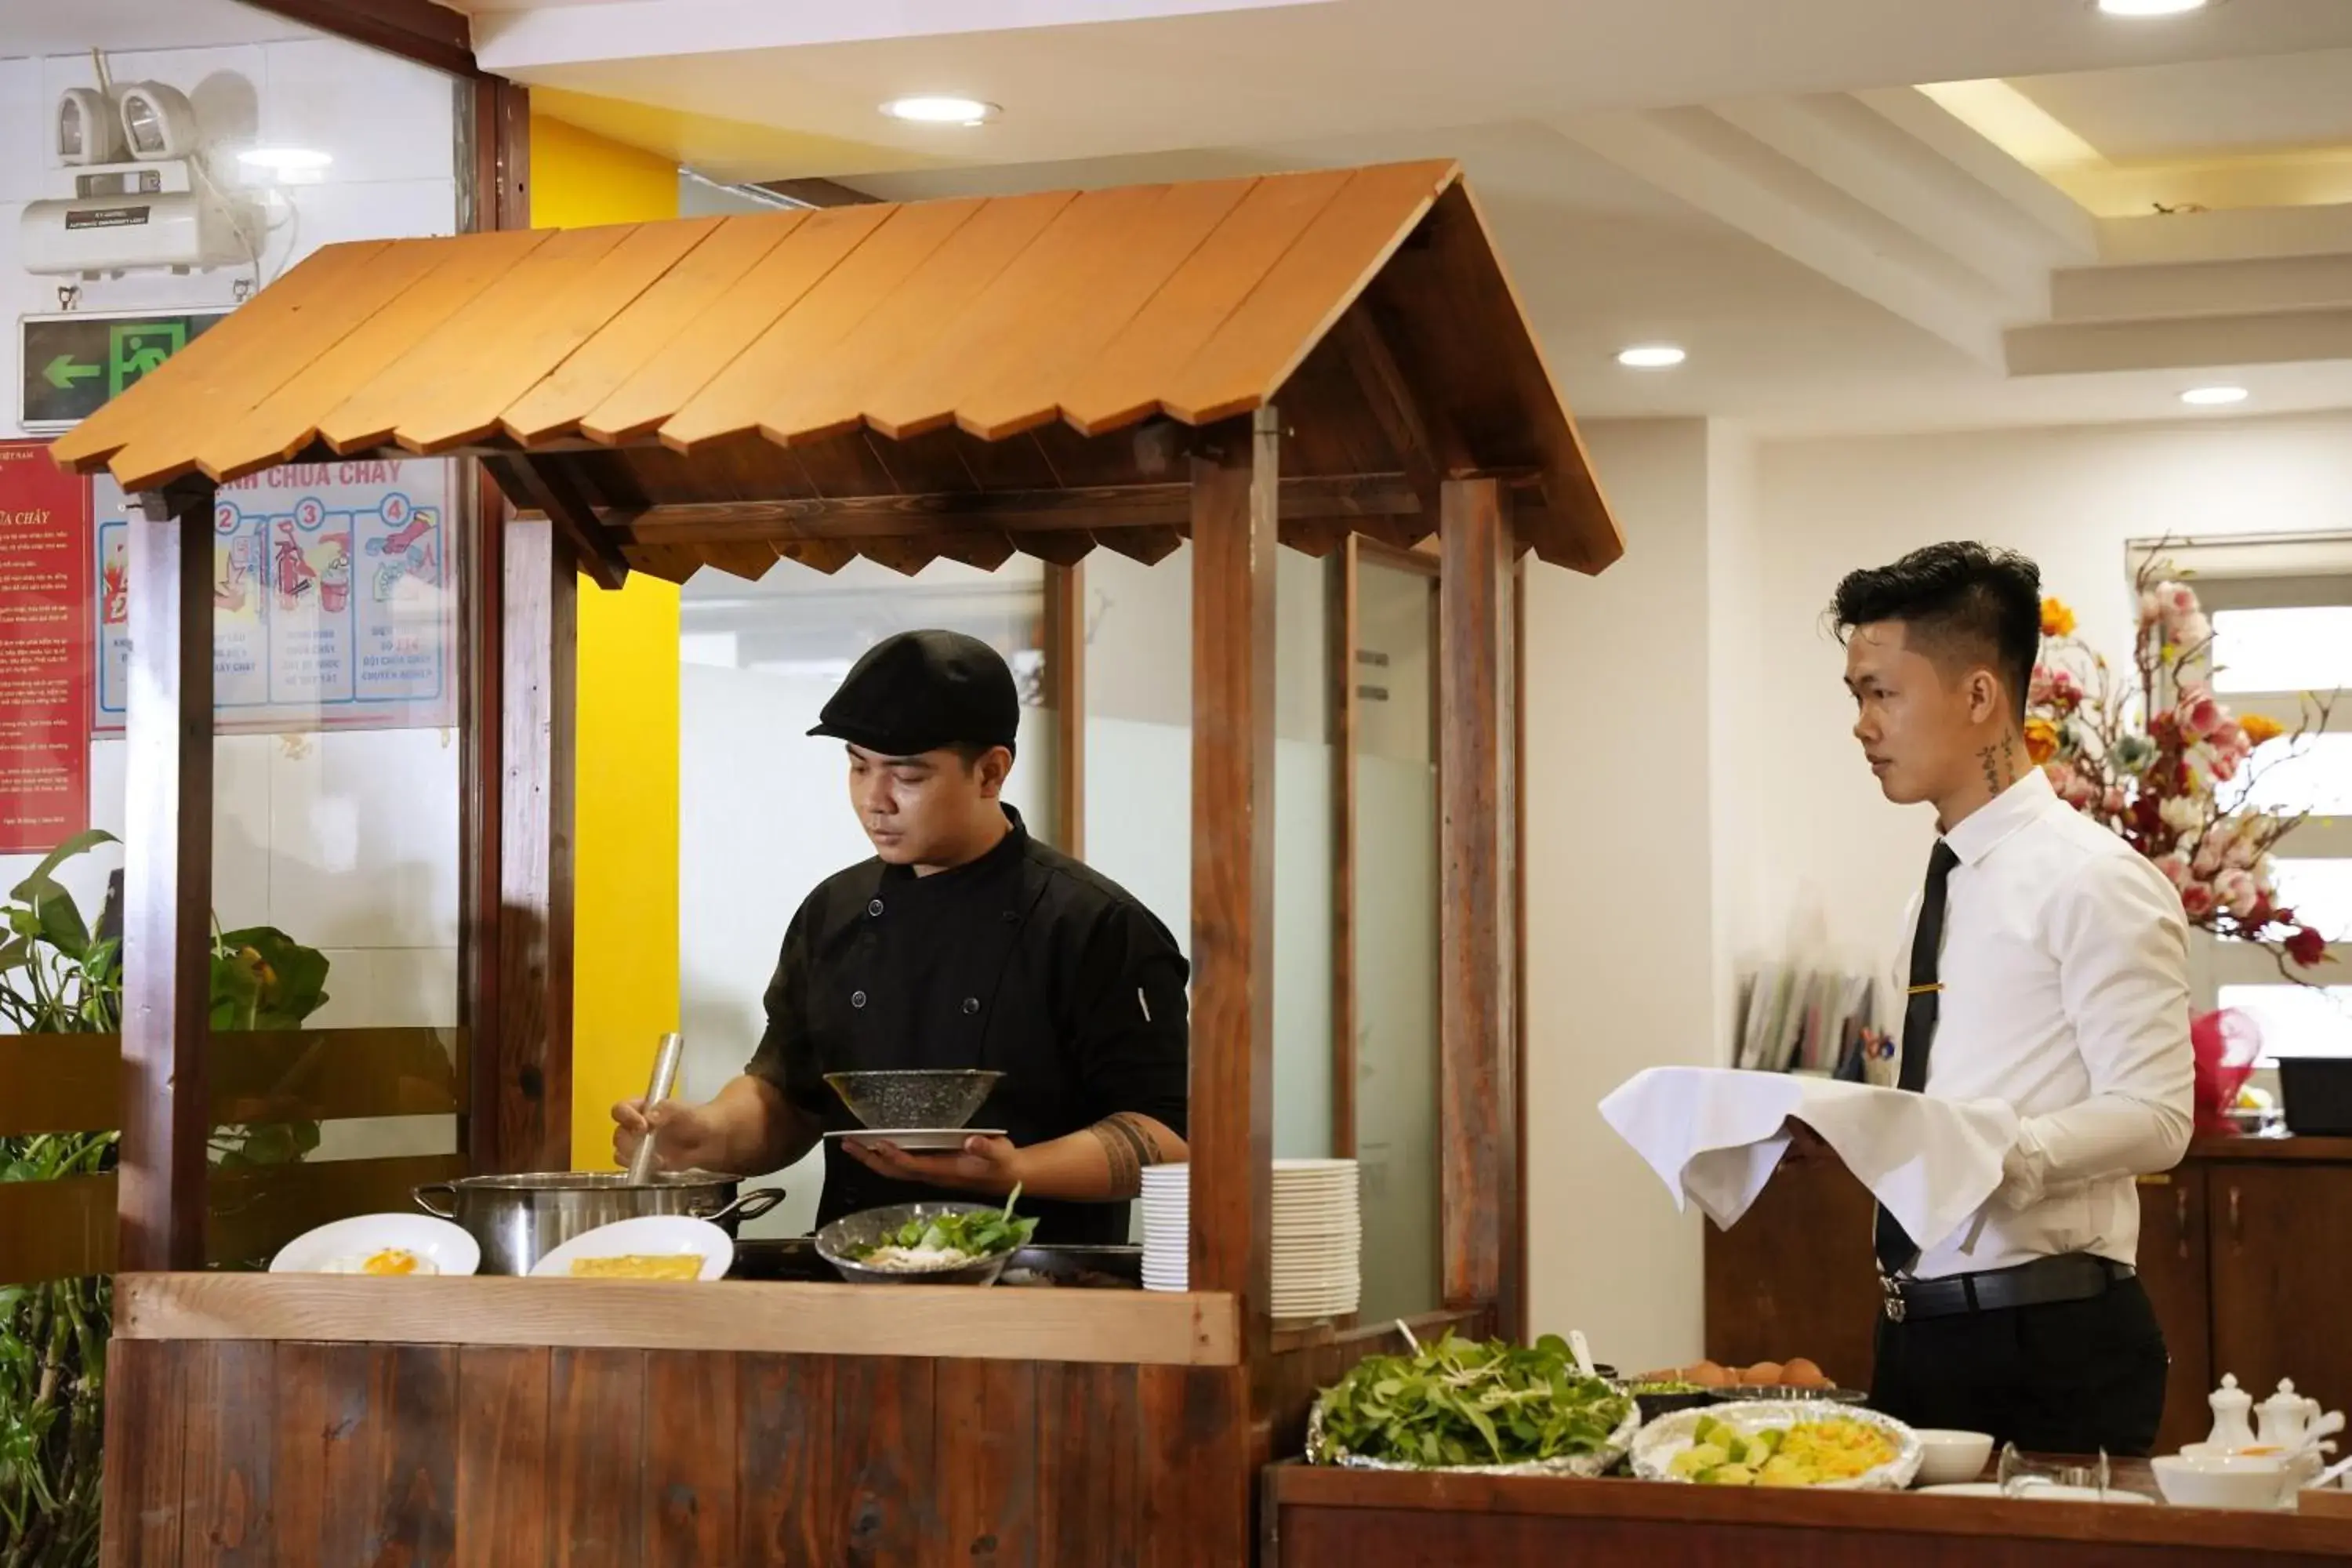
2153 769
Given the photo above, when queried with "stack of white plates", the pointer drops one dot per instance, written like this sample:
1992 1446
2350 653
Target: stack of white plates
1317 1235
1167 1226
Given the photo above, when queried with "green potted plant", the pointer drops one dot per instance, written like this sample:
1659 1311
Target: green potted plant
59 975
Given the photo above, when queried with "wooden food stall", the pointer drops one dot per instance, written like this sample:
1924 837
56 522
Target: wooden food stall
1238 363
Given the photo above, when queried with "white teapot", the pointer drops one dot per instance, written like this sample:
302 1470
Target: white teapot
2294 1423
2232 1430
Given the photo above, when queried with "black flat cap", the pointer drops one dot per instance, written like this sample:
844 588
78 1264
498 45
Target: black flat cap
920 691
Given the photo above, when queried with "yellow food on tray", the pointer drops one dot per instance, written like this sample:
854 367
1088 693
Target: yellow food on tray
1805 1454
639 1265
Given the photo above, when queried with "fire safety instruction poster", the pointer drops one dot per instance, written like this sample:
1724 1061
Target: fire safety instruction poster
333 606
45 619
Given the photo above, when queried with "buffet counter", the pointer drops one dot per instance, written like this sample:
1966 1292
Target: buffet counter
483 1421
1324 1518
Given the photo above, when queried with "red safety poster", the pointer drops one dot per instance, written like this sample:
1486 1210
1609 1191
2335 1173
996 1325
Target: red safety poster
45 650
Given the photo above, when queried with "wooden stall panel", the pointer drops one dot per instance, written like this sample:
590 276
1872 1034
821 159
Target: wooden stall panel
1089 1441
985 1428
227 1489
784 1459
501 1445
597 1403
1196 1466
146 1401
691 1458
884 1501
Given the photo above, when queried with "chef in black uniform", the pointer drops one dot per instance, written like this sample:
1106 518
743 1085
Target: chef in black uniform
963 943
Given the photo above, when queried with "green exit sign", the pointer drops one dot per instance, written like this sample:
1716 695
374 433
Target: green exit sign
70 365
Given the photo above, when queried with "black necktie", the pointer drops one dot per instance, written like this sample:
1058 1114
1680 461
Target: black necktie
1896 1251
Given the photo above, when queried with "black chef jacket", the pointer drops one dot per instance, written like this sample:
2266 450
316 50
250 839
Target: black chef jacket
1024 962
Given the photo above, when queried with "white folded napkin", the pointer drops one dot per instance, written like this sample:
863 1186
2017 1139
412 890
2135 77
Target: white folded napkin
1714 1134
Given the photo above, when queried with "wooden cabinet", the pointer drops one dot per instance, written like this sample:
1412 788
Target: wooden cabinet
2245 1251
1795 1277
2173 1267
2282 1244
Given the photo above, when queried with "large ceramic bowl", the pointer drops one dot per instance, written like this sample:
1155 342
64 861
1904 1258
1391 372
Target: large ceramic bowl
1660 1440
915 1097
839 1243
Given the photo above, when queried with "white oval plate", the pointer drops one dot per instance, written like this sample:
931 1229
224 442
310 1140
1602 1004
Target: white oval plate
919 1140
447 1248
2037 1494
1656 1448
657 1235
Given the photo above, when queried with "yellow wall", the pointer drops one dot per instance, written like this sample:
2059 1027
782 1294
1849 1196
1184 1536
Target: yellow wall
625 843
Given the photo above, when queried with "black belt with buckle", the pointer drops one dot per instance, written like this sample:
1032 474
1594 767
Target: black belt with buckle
2069 1277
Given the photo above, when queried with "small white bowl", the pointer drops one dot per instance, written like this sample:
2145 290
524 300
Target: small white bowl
2221 1480
342 1247
1950 1458
652 1235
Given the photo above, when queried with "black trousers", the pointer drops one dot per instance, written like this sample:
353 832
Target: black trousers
2069 1377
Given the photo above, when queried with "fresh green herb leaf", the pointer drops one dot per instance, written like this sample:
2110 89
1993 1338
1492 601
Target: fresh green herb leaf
1459 1402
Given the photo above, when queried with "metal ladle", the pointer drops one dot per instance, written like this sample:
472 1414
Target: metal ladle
666 1060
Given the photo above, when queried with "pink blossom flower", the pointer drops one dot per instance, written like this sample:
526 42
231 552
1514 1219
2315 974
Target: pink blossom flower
2197 900
2151 610
2112 803
2235 890
2199 712
2224 764
2175 868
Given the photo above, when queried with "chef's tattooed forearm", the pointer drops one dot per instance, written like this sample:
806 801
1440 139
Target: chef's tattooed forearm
1129 1147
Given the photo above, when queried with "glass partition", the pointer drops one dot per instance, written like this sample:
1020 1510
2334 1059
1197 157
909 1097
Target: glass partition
1396 935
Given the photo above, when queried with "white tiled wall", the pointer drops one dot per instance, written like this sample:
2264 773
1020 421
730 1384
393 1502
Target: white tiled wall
347 841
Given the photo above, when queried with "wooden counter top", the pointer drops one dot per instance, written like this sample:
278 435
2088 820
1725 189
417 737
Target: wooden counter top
1366 1518
2334 1149
1139 1327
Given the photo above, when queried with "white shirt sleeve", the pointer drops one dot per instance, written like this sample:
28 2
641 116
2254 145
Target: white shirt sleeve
2122 948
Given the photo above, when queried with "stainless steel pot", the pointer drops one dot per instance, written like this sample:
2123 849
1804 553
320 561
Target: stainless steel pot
518 1220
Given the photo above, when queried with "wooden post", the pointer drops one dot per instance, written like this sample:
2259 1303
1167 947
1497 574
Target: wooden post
1233 497
529 1077
1066 679
1475 986
167 883
1346 717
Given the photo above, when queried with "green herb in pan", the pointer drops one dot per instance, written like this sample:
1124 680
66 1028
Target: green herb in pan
1460 1402
984 1234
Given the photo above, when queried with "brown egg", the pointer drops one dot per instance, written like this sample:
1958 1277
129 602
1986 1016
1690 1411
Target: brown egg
1763 1374
1707 1374
1802 1374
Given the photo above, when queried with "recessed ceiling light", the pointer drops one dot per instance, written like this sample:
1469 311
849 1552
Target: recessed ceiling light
930 111
1651 356
285 160
2150 8
2213 397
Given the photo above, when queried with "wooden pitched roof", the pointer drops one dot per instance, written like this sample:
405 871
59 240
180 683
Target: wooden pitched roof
960 377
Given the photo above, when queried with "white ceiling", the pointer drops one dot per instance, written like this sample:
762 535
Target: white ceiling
1243 72
2204 106
69 27
1770 231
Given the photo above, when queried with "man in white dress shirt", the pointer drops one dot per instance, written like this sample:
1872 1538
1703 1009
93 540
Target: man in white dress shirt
2046 968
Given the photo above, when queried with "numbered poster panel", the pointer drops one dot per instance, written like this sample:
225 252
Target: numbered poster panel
333 606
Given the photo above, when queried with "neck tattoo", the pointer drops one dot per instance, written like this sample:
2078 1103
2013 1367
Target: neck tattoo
2000 764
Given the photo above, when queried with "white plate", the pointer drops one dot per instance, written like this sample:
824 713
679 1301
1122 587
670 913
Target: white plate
655 1235
920 1140
447 1248
1656 1448
2038 1494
